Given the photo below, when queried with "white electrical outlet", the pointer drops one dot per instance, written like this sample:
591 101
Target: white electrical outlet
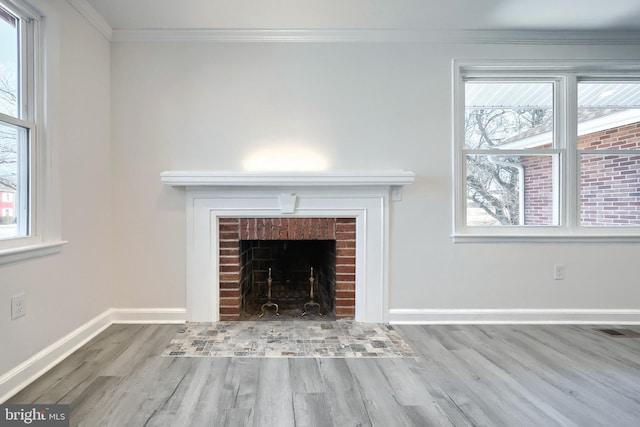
18 306
558 272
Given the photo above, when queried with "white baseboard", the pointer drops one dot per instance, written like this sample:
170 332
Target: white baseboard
28 371
513 316
149 315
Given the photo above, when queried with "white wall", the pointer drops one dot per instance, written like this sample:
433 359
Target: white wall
66 290
361 106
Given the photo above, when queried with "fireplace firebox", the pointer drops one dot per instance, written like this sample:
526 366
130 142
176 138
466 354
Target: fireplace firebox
277 277
287 256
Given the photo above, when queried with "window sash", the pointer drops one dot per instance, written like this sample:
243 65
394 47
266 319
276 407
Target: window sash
25 123
566 78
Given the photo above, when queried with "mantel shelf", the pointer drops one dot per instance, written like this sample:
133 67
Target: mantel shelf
392 178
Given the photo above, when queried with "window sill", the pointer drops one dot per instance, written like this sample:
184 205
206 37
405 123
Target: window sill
33 251
512 238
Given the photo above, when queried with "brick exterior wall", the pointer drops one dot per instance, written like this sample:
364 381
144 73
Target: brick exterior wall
609 185
232 230
538 194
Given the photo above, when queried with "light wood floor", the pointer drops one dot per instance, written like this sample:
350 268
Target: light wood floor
464 376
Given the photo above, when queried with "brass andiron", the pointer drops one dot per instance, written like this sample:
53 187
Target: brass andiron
311 302
269 303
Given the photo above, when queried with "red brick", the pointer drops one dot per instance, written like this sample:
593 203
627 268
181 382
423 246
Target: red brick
298 229
345 244
345 220
230 285
344 235
342 295
345 260
228 227
230 310
345 286
229 260
230 277
229 293
230 252
229 244
313 229
345 252
345 311
345 269
230 301
331 228
228 235
251 229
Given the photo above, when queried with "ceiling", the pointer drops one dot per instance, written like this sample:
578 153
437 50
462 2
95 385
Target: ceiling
569 15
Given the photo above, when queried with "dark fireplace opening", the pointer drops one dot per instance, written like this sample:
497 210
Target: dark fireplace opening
291 266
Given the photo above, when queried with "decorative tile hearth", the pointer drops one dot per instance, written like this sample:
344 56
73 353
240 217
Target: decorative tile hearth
297 338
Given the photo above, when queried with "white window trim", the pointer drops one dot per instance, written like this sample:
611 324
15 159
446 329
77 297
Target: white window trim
566 73
45 226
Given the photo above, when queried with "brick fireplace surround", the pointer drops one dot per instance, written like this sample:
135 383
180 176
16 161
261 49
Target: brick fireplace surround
232 230
358 203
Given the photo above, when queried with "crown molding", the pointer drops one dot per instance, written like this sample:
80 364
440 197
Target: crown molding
378 36
93 17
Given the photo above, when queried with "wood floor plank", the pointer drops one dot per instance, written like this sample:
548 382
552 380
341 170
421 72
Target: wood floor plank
342 394
237 417
563 370
411 384
377 394
274 400
602 403
311 410
547 395
241 383
304 376
499 385
206 401
86 403
493 375
455 387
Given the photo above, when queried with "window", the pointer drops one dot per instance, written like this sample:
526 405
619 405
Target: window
608 147
26 159
16 119
543 152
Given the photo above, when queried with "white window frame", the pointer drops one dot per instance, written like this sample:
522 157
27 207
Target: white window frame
566 74
42 206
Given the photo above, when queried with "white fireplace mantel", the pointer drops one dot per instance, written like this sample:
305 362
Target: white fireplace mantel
390 178
363 195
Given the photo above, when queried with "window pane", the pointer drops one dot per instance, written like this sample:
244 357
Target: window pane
608 115
8 63
13 181
609 190
511 190
508 115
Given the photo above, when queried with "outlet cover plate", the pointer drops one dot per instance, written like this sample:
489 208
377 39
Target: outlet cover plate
18 306
558 272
